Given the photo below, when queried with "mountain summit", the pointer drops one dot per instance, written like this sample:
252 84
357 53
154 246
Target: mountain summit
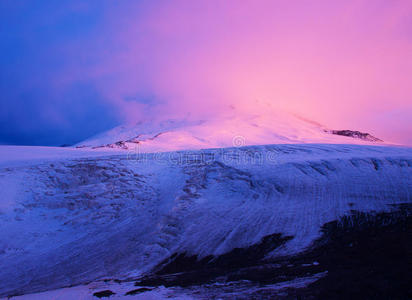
273 127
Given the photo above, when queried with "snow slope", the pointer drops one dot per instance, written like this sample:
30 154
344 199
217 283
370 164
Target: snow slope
28 155
238 129
72 219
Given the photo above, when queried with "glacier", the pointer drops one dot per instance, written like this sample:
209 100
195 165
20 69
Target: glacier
69 217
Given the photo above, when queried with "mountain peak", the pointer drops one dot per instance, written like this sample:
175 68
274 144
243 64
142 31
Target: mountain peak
273 127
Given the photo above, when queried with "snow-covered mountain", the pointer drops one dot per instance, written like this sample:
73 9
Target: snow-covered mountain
80 216
272 127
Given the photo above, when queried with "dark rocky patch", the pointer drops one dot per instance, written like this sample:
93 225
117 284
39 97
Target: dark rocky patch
102 294
366 256
355 134
137 291
184 270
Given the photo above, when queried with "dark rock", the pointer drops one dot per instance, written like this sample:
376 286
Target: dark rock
355 134
102 294
137 291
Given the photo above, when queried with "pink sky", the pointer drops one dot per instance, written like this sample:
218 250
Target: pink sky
346 64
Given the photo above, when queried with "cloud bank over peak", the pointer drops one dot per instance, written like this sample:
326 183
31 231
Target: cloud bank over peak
343 64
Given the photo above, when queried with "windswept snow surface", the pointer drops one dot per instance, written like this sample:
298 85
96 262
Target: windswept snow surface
69 220
28 155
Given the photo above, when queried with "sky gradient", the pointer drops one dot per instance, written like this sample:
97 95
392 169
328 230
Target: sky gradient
70 69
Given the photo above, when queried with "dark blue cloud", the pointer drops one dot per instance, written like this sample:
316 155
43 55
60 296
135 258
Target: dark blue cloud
37 117
32 110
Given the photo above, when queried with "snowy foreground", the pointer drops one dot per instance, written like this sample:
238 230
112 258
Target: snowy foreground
75 222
